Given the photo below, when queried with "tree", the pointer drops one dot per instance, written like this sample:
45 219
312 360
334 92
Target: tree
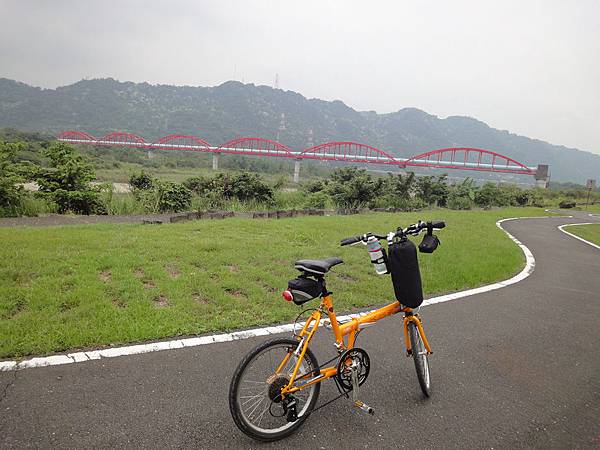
432 190
401 186
67 181
11 173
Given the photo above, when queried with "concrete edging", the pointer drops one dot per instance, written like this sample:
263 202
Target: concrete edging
562 228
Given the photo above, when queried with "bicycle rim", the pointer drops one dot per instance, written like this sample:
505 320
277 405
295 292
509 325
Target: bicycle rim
420 358
260 414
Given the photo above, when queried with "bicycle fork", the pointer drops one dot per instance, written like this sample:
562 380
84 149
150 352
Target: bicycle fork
355 390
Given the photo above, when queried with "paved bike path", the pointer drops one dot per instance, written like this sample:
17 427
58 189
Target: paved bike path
515 367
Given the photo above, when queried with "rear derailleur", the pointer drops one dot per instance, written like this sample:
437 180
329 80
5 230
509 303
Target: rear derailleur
289 407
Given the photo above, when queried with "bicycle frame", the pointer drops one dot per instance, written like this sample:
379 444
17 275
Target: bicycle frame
350 329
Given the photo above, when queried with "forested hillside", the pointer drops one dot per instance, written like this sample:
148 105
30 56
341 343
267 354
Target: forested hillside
232 109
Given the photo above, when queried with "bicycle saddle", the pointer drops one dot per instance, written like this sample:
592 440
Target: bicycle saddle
317 266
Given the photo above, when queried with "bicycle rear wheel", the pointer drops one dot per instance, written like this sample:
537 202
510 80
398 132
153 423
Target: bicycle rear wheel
420 357
254 393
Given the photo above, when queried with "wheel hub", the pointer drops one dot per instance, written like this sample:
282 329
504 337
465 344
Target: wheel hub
275 387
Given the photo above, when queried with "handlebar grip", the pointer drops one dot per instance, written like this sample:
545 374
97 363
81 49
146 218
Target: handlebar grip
351 240
439 224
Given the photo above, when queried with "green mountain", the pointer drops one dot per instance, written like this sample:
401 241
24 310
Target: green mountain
233 109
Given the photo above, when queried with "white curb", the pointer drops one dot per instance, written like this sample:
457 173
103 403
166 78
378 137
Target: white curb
562 228
77 357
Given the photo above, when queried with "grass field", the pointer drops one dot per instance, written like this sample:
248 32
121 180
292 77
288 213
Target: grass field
87 286
590 233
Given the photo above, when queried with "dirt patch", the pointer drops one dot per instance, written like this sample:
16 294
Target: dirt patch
67 305
148 283
105 276
269 289
345 277
233 269
199 298
235 293
173 271
161 301
19 306
119 303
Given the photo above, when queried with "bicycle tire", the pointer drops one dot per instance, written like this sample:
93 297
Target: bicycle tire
420 357
242 418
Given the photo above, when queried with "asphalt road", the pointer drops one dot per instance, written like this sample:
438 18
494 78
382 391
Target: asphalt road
513 368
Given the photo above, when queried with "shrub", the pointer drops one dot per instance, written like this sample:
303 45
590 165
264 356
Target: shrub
567 204
316 200
79 202
243 187
172 197
461 195
351 187
141 181
461 203
313 186
486 196
159 196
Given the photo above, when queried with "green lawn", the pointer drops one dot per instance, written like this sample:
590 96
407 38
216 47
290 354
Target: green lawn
588 232
591 209
87 286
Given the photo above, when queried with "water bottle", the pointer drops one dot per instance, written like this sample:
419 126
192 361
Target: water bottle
376 254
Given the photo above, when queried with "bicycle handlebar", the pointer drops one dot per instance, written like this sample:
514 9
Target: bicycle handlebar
351 240
413 229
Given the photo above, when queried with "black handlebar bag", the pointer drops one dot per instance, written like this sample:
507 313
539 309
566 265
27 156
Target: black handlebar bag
406 277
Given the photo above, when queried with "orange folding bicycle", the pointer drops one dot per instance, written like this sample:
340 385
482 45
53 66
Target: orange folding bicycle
276 386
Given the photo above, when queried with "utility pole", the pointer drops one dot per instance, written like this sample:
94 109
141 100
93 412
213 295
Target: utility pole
590 184
310 143
281 126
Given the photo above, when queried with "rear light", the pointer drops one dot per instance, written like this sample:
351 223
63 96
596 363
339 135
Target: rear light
287 295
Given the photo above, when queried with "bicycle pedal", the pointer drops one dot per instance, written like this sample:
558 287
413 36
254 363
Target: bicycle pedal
364 407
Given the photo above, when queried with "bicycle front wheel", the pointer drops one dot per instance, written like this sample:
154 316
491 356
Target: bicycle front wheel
420 357
255 391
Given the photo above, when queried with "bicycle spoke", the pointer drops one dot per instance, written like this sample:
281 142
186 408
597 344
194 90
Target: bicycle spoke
256 406
251 398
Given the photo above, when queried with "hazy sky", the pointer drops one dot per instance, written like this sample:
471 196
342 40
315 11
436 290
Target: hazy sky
532 67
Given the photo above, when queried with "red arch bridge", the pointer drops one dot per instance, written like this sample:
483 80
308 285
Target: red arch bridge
461 158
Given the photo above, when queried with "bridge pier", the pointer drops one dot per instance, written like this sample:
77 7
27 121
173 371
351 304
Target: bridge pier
542 176
297 171
215 161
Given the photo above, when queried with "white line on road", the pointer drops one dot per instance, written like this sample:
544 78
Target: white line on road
562 228
77 357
